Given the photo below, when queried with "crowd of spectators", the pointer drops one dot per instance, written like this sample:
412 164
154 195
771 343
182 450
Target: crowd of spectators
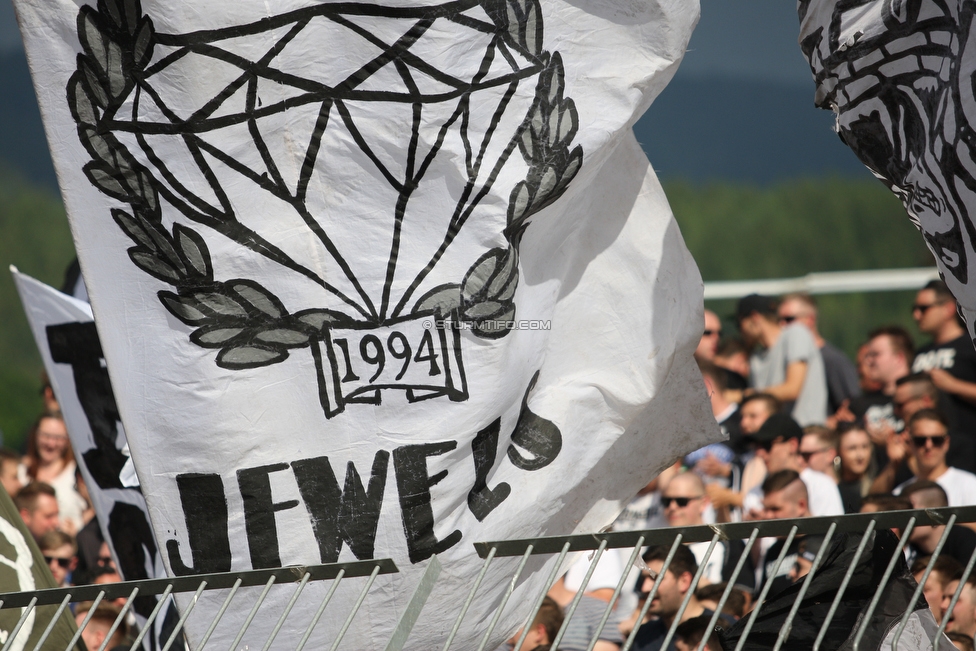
50 495
810 432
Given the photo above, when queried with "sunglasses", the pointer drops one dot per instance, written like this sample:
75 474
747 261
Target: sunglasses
105 560
682 502
937 441
807 455
787 319
63 563
918 307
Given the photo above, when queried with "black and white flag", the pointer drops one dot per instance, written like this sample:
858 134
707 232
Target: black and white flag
377 279
899 76
66 338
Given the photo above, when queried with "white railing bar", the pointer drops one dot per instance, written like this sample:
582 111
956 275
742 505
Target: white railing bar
318 613
542 596
616 594
579 595
650 595
765 590
84 622
467 602
355 608
250 615
826 282
186 613
53 622
921 584
843 585
118 620
20 623
729 587
690 593
288 607
220 613
149 622
784 632
506 597
401 632
955 597
895 558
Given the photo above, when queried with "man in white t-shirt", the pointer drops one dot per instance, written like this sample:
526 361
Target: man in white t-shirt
928 440
778 443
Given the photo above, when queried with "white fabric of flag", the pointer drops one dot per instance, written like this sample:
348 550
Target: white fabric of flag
377 279
68 343
899 76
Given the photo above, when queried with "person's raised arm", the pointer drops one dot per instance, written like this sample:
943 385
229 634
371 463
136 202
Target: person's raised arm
789 390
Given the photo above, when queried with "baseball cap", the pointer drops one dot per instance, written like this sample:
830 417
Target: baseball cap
778 426
754 303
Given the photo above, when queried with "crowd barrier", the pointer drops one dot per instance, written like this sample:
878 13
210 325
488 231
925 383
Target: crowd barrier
366 572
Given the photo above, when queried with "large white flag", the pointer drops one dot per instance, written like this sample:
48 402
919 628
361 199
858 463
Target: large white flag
377 279
66 338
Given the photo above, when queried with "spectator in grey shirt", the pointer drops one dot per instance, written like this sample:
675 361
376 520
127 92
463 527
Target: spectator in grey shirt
842 380
785 362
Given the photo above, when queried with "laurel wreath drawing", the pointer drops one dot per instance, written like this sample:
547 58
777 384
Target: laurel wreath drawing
245 322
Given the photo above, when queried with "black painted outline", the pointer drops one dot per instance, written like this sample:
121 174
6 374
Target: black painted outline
908 143
243 320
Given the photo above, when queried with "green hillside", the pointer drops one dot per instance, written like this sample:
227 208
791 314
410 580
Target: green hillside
34 237
734 232
791 229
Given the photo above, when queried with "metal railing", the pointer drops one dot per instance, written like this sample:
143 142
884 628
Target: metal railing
864 525
196 584
826 282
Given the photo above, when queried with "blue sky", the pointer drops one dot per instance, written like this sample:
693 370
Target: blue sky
750 38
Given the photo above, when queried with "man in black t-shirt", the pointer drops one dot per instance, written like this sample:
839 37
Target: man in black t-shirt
785 498
888 357
950 359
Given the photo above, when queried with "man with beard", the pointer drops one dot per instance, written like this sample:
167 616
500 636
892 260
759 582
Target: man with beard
755 410
950 360
675 585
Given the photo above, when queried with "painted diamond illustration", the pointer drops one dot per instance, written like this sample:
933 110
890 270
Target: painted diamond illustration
426 116
371 150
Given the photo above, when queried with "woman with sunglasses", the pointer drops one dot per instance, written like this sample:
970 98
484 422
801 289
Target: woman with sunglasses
854 466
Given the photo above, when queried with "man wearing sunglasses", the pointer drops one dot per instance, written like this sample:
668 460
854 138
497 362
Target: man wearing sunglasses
710 337
950 359
786 362
842 381
61 555
684 502
928 440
